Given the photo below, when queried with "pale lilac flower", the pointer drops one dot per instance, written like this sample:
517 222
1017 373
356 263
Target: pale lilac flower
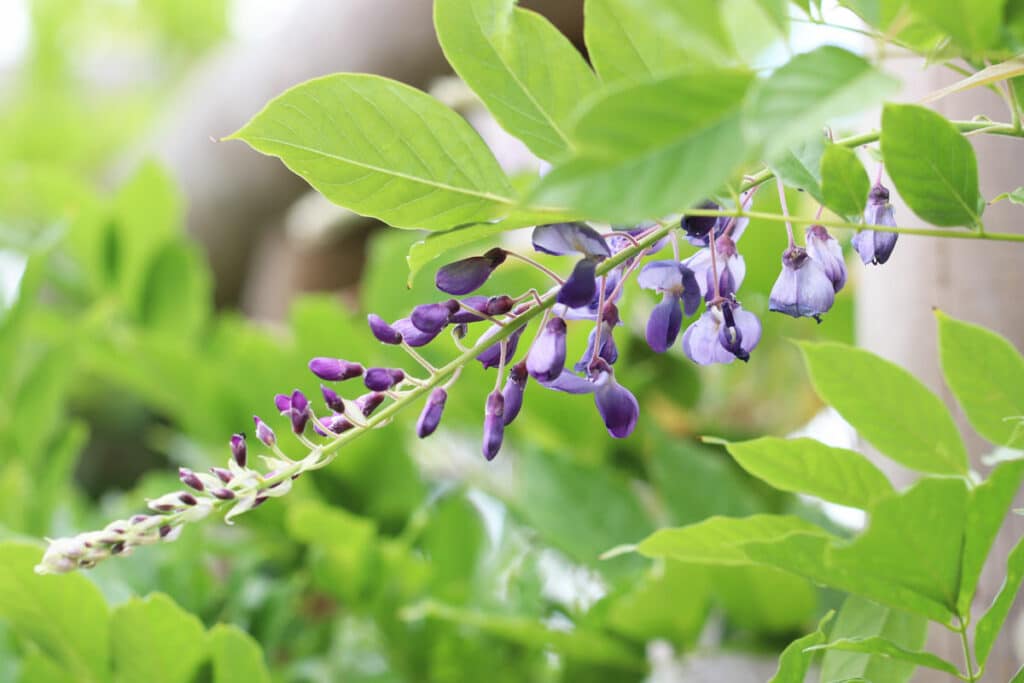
802 288
874 246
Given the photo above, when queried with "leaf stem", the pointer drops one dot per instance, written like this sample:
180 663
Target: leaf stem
972 676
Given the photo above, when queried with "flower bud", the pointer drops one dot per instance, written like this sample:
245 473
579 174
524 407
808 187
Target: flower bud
299 413
697 228
334 369
382 331
546 359
223 494
432 318
263 433
494 424
331 398
875 246
283 403
189 478
825 250
491 356
222 474
431 415
512 393
238 450
467 275
802 288
367 403
382 379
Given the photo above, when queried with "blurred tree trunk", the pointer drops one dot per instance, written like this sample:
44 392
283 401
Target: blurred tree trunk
971 280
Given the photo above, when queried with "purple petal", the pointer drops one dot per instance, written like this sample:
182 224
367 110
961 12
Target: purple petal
664 323
283 403
382 379
618 407
825 250
512 393
560 239
698 227
546 358
608 353
660 276
580 288
494 424
431 415
491 356
382 331
467 275
331 398
238 450
571 384
431 318
412 335
335 369
263 432
367 403
802 288
703 339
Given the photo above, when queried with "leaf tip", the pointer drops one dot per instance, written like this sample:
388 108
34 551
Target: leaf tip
618 550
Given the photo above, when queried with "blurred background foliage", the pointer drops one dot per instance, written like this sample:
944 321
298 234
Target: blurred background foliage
403 561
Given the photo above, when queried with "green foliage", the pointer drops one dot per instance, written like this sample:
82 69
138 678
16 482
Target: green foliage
155 640
800 166
860 618
844 183
931 164
794 660
992 621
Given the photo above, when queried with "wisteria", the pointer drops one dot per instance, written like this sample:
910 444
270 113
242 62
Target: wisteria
587 300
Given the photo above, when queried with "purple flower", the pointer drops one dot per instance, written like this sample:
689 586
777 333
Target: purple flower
283 403
608 352
431 415
581 286
872 246
495 305
546 358
491 356
382 331
367 403
681 294
335 424
412 335
616 404
331 398
494 424
335 369
512 393
432 318
825 250
299 412
802 289
561 239
722 334
697 228
263 432
731 268
238 450
382 379
467 275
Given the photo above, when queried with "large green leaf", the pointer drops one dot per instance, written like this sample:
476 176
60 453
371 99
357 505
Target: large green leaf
914 540
639 612
808 466
876 645
888 406
65 617
236 656
986 509
990 623
638 39
807 93
155 640
527 73
680 155
800 166
795 660
844 182
764 599
383 149
931 164
860 618
986 374
974 26
342 546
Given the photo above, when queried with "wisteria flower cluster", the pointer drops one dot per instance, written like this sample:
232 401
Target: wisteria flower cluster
589 297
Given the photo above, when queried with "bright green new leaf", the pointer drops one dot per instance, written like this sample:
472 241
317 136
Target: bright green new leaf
65 617
877 645
991 622
722 540
859 618
844 182
155 640
974 26
639 39
807 92
383 149
931 164
800 166
914 540
986 374
679 156
795 660
837 475
888 406
526 72
236 656
987 507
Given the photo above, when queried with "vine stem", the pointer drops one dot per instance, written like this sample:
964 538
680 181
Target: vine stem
972 675
926 232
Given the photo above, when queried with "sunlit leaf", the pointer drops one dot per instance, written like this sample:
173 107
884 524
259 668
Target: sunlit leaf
859 618
844 182
154 639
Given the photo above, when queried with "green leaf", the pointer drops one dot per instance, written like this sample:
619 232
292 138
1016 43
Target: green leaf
844 182
888 406
973 26
862 618
764 599
236 656
914 540
986 509
722 540
637 39
877 645
794 660
526 72
437 244
800 166
1015 196
65 617
931 164
1019 676
175 293
807 93
155 640
837 475
578 644
342 546
986 374
628 172
640 614
383 149
991 623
